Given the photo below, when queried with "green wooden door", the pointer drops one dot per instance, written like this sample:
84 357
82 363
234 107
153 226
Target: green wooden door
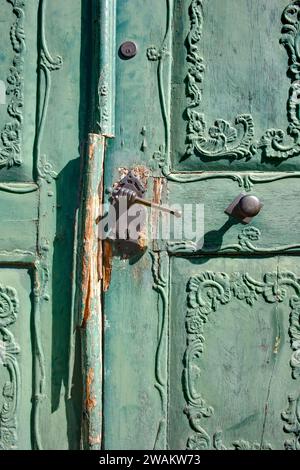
44 53
202 340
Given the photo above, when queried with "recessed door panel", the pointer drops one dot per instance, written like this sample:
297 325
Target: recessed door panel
234 353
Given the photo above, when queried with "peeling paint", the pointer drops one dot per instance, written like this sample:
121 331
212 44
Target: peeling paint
276 345
88 300
139 171
91 401
87 305
143 239
107 264
106 323
95 440
155 215
91 151
157 190
86 263
100 244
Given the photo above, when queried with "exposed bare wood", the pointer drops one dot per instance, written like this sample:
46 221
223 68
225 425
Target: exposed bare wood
89 290
107 264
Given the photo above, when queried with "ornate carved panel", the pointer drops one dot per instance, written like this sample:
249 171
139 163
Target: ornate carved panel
266 138
27 93
225 140
207 292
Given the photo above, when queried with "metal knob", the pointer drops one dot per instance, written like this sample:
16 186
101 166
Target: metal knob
244 207
250 206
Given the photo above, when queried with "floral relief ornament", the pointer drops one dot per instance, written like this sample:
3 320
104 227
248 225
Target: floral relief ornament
292 418
9 349
10 153
8 306
224 140
154 54
207 291
275 143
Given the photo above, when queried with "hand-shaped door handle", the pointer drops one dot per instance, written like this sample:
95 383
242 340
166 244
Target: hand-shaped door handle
127 229
133 198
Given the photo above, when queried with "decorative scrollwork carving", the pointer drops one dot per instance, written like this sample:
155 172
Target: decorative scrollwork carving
48 64
245 244
160 266
223 140
275 143
9 307
206 293
292 418
11 134
240 444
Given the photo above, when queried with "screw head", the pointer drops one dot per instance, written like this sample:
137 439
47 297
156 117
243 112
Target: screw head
128 50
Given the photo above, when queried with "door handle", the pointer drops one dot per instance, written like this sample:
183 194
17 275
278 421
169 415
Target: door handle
131 188
125 193
244 207
133 198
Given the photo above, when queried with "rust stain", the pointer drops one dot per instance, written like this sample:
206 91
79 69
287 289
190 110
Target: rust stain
87 304
91 401
90 267
156 198
100 260
86 261
157 190
100 244
143 239
139 171
91 151
87 253
107 264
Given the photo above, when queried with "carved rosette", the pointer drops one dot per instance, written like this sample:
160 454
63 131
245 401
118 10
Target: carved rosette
11 134
206 293
9 349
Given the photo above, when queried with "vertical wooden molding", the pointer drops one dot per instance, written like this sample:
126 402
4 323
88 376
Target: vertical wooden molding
107 54
47 64
88 295
160 273
163 57
40 279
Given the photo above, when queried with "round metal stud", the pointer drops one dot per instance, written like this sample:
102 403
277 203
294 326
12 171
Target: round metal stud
250 205
128 50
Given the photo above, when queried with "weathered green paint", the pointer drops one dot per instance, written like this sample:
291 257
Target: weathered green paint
107 73
181 324
237 376
45 56
209 358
